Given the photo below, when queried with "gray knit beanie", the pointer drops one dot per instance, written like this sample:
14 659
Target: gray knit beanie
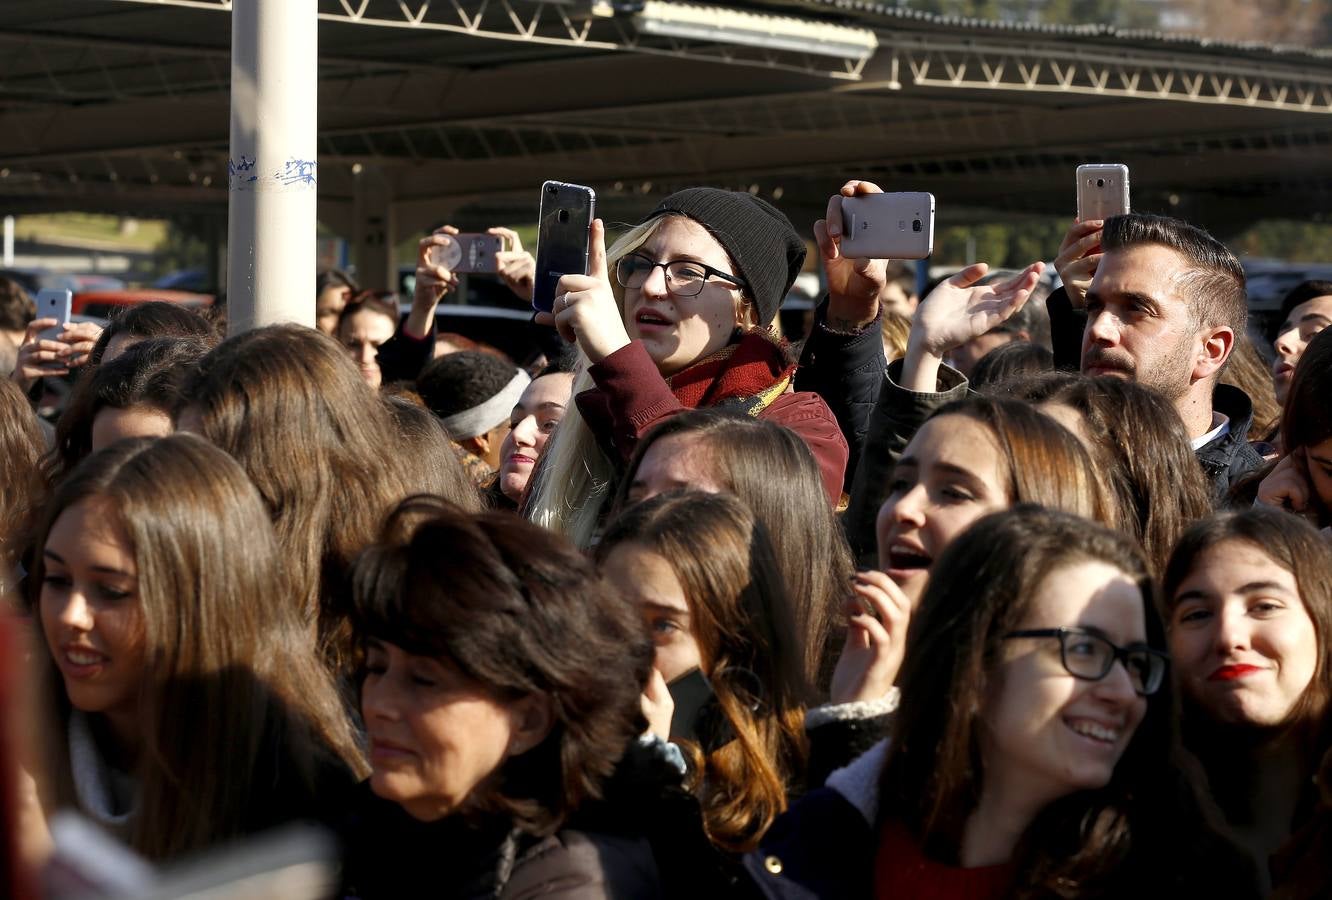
760 240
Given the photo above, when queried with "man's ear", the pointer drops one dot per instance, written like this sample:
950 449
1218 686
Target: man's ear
530 720
1216 347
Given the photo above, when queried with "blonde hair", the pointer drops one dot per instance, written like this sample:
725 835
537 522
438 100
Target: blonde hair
576 479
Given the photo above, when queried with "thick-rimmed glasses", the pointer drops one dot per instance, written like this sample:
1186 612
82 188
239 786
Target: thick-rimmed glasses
1090 656
684 277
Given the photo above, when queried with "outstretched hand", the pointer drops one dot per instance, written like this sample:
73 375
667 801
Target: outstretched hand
585 308
854 285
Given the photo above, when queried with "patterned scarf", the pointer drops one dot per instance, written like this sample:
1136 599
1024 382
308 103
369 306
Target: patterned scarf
745 376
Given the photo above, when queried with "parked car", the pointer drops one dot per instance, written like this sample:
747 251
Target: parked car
106 303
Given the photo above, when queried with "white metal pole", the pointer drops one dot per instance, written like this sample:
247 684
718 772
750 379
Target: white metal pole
273 170
9 242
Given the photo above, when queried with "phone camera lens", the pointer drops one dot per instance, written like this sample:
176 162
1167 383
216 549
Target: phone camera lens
563 216
915 225
1100 182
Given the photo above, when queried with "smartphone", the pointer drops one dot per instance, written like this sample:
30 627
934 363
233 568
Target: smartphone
467 252
690 693
888 226
1103 191
567 211
54 304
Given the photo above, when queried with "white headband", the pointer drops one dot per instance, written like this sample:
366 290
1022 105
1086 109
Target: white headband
480 419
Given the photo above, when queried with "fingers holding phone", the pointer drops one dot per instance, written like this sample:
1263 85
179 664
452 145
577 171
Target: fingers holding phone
854 284
514 265
1079 255
585 309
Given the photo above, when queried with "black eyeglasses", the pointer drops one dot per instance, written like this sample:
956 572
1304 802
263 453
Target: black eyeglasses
684 277
1090 656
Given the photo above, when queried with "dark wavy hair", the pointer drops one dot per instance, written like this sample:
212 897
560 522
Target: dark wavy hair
150 373
1092 842
517 610
156 318
1307 418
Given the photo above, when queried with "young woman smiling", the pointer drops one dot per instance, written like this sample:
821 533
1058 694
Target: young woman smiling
188 704
1249 606
1031 755
675 316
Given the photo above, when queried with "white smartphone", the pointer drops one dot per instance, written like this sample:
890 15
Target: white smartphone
1103 191
888 226
54 304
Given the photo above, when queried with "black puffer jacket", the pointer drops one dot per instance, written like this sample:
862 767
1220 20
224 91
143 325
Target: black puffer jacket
846 370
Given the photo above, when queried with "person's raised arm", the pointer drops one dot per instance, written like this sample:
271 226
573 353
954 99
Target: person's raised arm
854 285
1079 254
432 283
956 311
585 309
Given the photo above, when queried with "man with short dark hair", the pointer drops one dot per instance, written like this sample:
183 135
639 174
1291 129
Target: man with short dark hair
1164 308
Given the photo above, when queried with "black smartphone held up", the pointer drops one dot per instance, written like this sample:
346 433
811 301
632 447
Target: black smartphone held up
690 693
567 211
1103 191
467 252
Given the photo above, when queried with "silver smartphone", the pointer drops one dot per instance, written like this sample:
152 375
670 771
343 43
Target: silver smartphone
1103 191
54 304
888 226
567 211
467 252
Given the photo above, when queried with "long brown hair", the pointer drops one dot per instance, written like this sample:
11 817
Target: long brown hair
1043 462
773 471
1307 419
21 449
235 706
1293 544
290 406
1134 831
742 619
1144 453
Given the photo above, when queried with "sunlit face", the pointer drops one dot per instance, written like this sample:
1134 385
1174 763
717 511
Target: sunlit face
328 307
949 476
1047 734
1138 323
1241 638
434 734
1304 321
679 331
533 421
678 462
112 424
647 578
90 611
362 335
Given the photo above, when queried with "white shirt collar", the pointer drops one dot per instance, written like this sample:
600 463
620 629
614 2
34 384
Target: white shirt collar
1220 427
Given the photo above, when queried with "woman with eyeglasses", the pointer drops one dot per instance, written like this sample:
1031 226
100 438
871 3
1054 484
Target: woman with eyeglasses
1033 753
1249 612
676 315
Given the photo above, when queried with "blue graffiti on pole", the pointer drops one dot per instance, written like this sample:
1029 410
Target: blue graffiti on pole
298 171
241 169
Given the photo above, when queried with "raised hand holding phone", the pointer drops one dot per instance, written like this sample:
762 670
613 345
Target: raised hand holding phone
854 285
877 617
585 309
433 281
956 311
514 265
1079 255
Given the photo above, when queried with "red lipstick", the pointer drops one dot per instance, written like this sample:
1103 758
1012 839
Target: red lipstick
1233 673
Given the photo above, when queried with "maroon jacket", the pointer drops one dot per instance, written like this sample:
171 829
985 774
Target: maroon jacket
632 397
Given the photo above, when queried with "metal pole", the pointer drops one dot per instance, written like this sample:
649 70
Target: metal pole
272 171
9 242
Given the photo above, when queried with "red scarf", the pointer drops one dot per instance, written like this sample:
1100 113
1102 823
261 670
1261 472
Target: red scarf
747 375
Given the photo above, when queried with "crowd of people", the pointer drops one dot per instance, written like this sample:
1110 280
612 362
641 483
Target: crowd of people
1020 588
